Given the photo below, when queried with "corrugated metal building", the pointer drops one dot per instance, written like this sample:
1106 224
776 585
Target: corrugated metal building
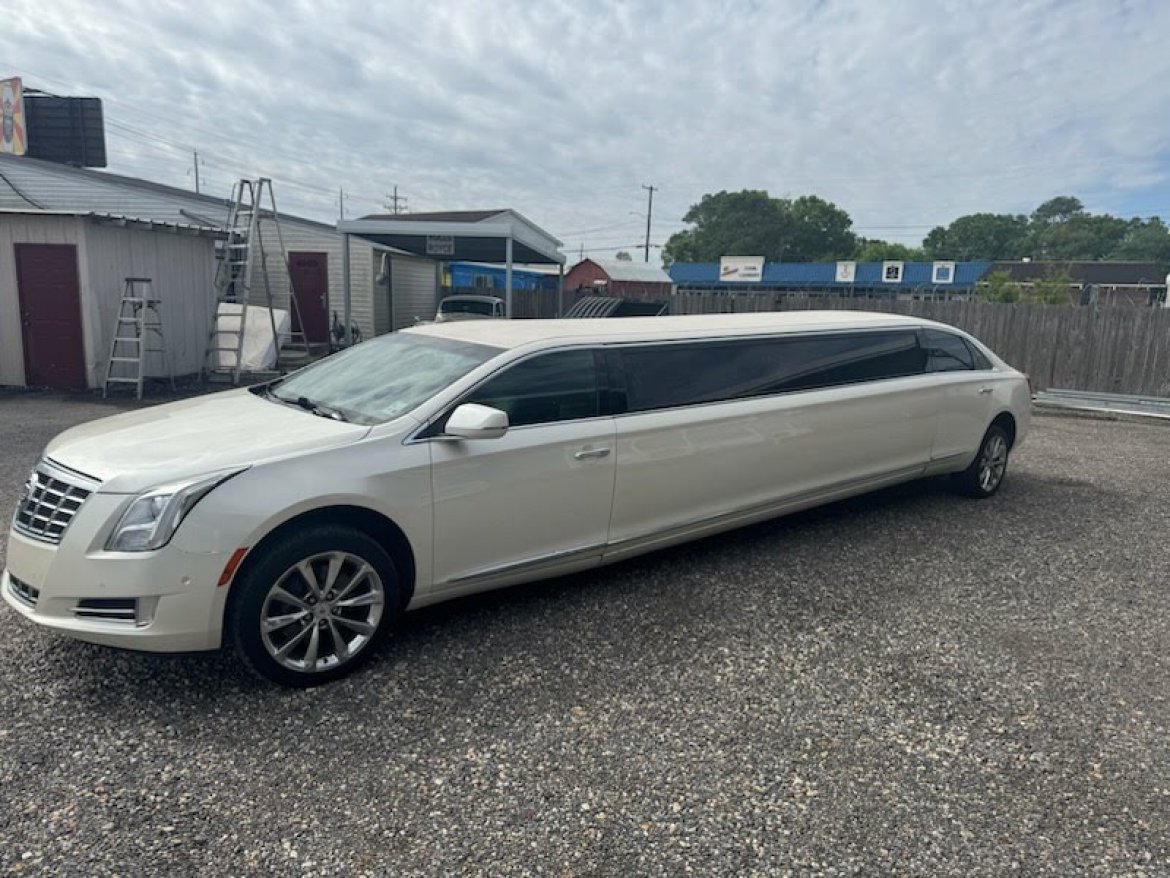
61 279
378 275
869 278
474 277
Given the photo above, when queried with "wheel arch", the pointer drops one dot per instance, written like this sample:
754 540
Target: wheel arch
374 524
1007 421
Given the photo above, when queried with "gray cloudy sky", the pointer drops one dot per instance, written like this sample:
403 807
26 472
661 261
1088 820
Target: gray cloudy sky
906 113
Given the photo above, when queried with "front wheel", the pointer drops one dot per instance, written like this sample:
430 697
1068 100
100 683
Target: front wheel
313 606
985 474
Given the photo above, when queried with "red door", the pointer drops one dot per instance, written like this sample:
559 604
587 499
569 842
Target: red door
309 273
50 315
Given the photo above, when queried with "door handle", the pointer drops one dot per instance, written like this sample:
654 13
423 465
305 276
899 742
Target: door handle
590 453
986 389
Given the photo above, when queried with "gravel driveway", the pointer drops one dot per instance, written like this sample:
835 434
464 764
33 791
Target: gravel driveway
909 683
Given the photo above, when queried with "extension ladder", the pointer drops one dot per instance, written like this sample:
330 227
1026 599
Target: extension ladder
243 252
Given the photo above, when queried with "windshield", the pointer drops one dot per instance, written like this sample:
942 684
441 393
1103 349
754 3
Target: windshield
465 306
382 378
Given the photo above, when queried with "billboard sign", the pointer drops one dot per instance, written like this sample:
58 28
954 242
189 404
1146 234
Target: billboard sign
13 139
892 272
846 272
741 269
943 273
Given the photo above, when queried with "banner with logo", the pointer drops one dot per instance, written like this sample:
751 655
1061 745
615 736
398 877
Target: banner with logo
13 140
741 269
943 273
892 272
846 272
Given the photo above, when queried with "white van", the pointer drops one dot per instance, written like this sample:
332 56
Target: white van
296 520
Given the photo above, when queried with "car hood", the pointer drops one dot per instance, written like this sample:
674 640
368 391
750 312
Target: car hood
138 450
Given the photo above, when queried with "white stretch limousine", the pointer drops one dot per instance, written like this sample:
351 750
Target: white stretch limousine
296 520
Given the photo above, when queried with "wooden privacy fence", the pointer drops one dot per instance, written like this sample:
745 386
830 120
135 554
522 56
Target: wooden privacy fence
1109 350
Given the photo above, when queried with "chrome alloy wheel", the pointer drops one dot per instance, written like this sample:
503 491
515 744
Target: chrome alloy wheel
992 463
322 612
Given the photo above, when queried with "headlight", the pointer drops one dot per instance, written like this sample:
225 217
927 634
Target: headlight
151 520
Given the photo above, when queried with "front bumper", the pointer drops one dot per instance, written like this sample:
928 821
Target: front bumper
162 601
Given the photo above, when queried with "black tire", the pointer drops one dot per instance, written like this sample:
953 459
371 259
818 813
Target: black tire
329 593
986 472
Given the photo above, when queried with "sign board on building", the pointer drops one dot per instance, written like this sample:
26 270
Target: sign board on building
943 273
13 139
892 272
846 272
741 269
440 245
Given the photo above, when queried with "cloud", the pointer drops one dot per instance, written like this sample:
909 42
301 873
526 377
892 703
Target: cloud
905 114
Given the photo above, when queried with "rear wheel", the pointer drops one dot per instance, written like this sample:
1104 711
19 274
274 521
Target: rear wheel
985 474
314 605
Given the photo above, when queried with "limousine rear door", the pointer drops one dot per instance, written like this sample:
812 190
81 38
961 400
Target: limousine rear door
535 501
964 387
706 442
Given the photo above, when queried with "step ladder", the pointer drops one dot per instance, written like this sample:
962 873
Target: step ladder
245 251
138 332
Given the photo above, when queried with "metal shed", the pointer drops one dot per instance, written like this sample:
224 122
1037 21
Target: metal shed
61 279
496 236
315 249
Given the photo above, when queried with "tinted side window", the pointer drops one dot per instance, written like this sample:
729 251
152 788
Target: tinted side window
560 386
981 361
948 353
688 374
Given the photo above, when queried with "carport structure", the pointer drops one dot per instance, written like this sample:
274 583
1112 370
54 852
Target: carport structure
495 236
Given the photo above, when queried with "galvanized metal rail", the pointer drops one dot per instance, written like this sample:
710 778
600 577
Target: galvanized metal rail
1112 403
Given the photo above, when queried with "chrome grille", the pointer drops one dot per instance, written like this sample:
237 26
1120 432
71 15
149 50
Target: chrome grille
51 498
113 609
23 592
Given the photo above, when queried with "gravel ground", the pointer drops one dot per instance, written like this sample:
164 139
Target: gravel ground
910 683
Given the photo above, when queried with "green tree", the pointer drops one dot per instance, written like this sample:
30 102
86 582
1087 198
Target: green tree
1059 230
1053 289
884 251
998 286
623 256
987 236
1079 237
1057 210
1145 241
752 223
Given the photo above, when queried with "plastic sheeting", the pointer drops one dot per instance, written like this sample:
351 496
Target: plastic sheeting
260 348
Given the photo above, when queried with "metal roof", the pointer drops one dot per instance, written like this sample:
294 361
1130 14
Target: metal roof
628 270
477 236
119 220
868 274
33 183
443 216
1105 273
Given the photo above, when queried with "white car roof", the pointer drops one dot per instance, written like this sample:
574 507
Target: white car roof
472 298
517 333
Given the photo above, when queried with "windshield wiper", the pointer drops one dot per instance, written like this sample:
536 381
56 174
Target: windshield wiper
317 408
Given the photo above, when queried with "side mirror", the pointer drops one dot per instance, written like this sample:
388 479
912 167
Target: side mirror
474 421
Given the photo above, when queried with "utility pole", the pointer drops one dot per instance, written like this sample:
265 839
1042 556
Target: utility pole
396 203
196 170
341 202
649 213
